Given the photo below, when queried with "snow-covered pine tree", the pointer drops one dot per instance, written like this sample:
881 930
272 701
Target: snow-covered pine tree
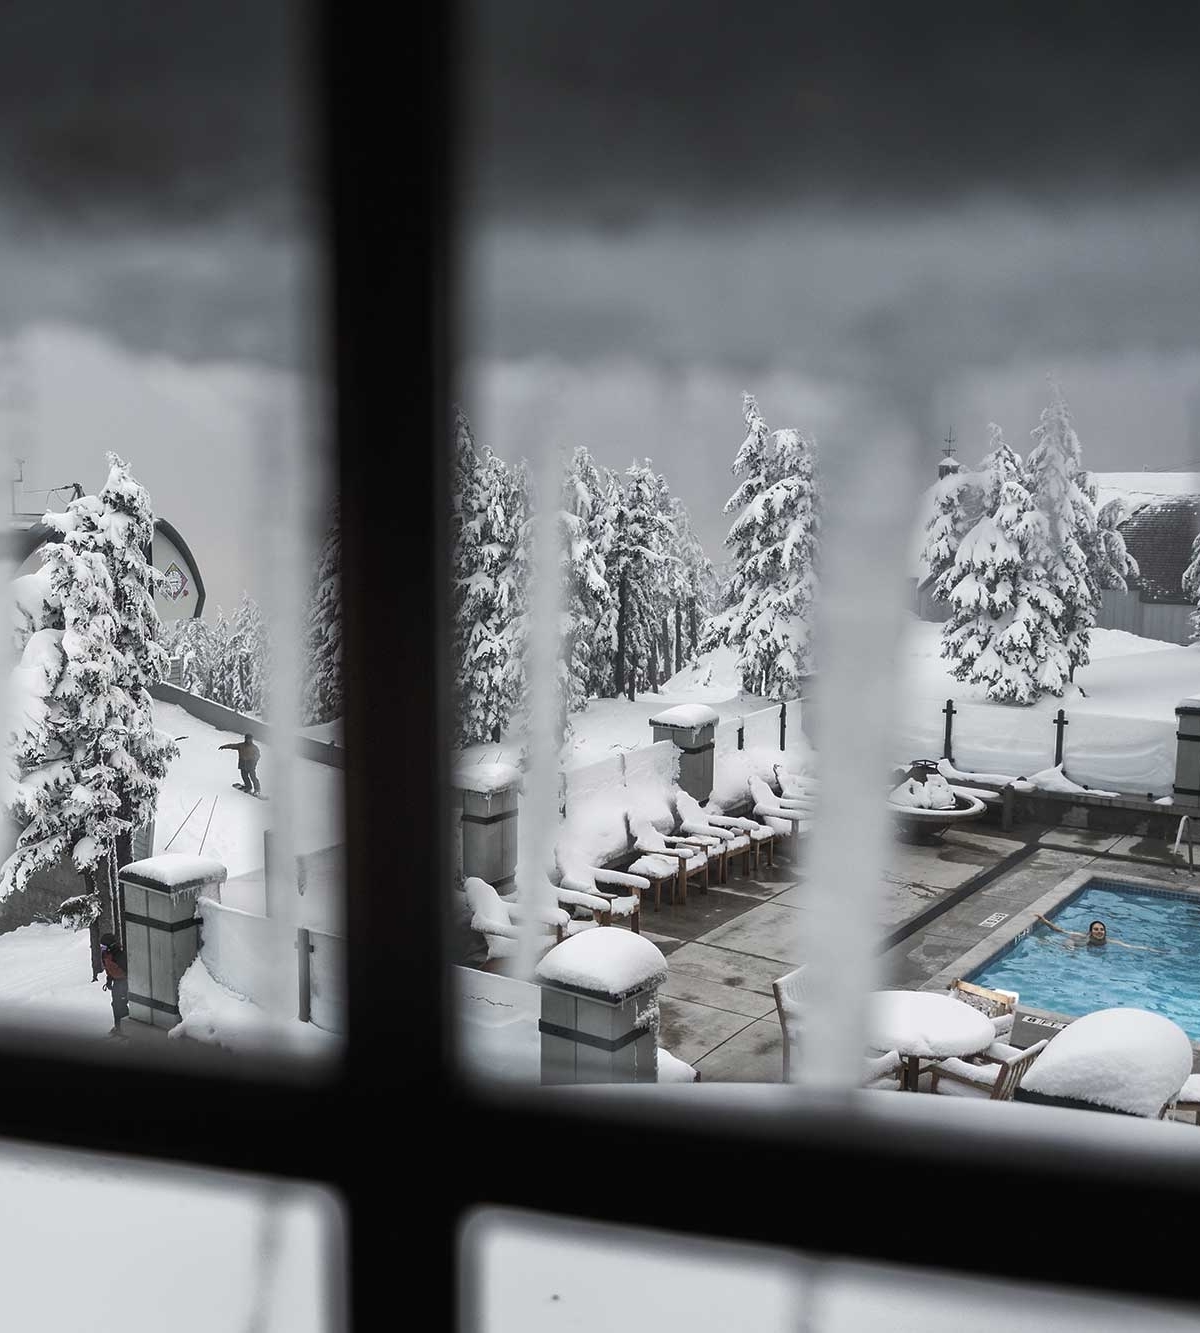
637 570
1109 562
1057 483
589 612
696 585
487 528
242 669
774 544
322 699
958 505
1191 586
193 641
1002 631
86 761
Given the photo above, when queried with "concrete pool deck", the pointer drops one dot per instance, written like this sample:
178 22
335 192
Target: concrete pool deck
726 947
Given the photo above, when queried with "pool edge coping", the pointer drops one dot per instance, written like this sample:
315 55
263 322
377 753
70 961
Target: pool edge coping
1024 920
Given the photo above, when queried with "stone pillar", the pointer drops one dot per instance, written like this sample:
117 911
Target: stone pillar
489 796
599 1021
691 728
1187 753
162 931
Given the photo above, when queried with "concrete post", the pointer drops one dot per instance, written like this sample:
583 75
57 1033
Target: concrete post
691 728
489 796
599 1020
162 933
1187 752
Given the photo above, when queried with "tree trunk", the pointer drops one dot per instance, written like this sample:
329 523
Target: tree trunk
692 620
667 672
653 665
678 637
622 598
631 678
96 928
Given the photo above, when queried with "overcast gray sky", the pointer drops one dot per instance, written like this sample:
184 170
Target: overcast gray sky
924 207
927 208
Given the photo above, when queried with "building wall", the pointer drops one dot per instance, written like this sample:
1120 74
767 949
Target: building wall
177 598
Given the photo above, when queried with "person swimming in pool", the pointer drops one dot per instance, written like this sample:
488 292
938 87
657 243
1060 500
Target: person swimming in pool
1096 935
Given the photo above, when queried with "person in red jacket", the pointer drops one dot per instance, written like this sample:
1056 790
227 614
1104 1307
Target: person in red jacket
116 969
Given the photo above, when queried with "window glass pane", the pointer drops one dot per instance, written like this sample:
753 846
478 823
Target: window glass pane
796 482
154 1247
173 685
524 1271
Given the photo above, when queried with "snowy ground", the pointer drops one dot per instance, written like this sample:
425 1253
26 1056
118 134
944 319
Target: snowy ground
45 980
94 1241
608 726
203 773
1121 713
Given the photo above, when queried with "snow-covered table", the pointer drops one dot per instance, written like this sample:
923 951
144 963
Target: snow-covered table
920 1026
1126 1060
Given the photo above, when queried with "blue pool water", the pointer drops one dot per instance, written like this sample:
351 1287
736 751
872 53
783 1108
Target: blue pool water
1051 974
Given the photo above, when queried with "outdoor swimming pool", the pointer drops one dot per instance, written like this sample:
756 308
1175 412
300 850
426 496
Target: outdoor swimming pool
1050 973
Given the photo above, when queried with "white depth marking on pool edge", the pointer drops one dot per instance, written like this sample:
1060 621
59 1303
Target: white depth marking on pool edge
994 919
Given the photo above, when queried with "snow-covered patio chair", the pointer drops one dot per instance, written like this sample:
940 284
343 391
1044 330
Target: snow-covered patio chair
997 1077
884 1071
689 860
772 810
498 920
797 786
762 837
999 1006
1189 1098
789 1001
694 822
610 895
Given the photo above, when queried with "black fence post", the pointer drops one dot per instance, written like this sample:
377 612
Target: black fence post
1060 724
783 726
304 949
741 734
947 753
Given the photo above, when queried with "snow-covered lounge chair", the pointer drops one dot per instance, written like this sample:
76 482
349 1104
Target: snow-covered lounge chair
499 920
1189 1098
797 786
688 859
884 1071
999 1006
608 894
762 838
789 998
997 1078
694 822
768 807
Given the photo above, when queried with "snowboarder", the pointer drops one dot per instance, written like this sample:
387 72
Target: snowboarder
248 756
116 969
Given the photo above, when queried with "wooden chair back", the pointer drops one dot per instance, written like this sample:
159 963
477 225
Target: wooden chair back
1008 1080
1003 1003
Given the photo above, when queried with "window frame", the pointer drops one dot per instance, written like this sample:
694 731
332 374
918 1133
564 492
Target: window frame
386 137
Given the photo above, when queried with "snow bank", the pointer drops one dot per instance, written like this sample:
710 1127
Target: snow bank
673 1070
686 715
712 678
1126 1059
609 961
1054 779
594 831
735 768
486 778
175 869
217 1016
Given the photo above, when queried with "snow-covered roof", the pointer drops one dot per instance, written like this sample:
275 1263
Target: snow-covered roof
1126 1059
486 778
1137 488
685 715
175 870
607 962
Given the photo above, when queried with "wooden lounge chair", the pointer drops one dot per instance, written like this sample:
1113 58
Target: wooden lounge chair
657 849
885 1071
762 838
1188 1099
789 998
498 920
997 1078
610 895
768 807
694 822
998 1005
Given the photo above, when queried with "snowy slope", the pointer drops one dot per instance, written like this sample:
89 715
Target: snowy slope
203 772
45 980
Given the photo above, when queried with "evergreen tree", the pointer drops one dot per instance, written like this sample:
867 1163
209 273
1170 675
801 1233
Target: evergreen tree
957 507
323 640
489 530
192 640
242 668
1057 483
590 613
695 589
1109 563
1002 632
637 569
88 760
1191 586
774 542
